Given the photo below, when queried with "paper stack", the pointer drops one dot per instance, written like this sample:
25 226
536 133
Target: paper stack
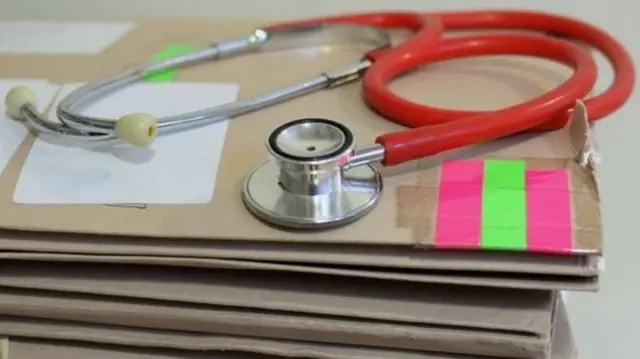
128 254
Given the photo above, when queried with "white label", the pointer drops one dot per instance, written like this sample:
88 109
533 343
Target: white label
12 131
178 168
59 38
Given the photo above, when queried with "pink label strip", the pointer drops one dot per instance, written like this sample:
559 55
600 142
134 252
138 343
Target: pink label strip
459 211
459 204
549 219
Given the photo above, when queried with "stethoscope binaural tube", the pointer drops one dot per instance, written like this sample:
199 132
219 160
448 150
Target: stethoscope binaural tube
141 129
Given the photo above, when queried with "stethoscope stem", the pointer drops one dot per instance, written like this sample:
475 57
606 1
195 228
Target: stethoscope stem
365 156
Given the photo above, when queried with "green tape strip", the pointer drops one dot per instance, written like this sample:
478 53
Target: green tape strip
504 174
167 75
504 214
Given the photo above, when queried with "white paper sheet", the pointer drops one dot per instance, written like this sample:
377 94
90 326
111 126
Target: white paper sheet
177 168
13 132
19 37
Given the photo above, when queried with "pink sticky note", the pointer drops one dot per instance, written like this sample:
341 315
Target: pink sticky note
459 201
462 172
556 180
459 204
549 240
549 222
458 233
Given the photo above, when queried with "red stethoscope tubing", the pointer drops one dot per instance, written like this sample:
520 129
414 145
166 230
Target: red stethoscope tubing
435 130
441 130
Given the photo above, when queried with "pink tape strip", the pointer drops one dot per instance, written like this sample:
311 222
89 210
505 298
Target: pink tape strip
459 204
549 223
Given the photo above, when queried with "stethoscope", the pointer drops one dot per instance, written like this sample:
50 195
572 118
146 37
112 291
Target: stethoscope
316 177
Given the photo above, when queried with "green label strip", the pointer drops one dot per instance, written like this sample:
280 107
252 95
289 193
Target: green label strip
167 75
504 217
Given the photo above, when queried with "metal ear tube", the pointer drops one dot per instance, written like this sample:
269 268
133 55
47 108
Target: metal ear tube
141 129
314 177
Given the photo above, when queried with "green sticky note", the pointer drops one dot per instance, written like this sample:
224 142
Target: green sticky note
504 211
501 238
167 75
504 207
504 174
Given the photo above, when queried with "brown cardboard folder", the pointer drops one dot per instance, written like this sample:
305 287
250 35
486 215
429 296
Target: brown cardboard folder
490 308
396 239
442 318
501 280
99 280
283 326
69 339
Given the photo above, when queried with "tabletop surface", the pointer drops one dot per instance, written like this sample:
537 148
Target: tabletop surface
605 323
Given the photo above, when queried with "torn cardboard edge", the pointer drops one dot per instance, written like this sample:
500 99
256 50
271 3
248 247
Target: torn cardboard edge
583 143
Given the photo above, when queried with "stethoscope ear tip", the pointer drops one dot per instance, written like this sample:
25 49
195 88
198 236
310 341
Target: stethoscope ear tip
137 129
17 98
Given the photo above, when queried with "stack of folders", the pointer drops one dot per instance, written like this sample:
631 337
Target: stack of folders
425 275
107 296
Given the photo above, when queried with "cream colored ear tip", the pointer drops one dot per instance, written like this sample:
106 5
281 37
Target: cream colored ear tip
18 97
137 129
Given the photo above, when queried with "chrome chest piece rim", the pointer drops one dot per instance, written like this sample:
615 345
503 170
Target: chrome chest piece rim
305 185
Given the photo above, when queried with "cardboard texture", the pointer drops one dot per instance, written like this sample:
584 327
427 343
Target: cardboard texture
297 307
319 254
494 308
500 333
470 278
33 338
405 215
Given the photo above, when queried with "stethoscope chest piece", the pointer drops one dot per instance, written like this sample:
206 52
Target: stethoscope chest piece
308 183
